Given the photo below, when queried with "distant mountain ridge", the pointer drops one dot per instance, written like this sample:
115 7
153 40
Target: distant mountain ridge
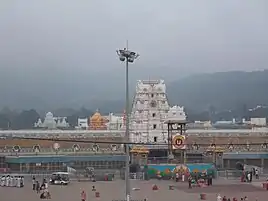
50 88
223 90
200 92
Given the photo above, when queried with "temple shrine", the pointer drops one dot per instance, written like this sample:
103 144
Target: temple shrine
98 122
139 155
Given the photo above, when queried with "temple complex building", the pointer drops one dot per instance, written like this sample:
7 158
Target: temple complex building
81 148
58 149
51 122
82 123
115 122
149 111
98 141
99 122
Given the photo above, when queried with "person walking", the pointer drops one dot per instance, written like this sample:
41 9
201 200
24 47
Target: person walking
37 187
257 174
189 182
34 183
83 196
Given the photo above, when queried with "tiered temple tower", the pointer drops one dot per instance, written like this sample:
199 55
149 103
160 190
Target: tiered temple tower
149 111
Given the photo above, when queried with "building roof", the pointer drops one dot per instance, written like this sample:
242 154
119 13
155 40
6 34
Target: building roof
176 121
99 133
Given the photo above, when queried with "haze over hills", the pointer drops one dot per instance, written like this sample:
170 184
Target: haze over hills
223 91
50 88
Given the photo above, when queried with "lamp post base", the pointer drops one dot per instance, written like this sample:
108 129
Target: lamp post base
128 198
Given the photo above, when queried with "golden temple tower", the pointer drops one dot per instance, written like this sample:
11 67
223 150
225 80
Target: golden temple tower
97 122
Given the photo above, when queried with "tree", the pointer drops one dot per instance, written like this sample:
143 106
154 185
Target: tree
4 122
82 113
25 120
72 120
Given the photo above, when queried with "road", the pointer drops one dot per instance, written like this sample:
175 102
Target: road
114 190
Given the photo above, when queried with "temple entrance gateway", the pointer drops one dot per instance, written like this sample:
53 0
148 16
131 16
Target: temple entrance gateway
139 155
177 146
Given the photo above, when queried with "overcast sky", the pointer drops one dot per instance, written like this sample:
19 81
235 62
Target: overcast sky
79 37
192 35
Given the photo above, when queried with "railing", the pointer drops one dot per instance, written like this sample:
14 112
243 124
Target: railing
61 133
70 151
229 174
166 160
137 176
133 176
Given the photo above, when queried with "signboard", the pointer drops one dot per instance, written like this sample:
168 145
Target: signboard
178 142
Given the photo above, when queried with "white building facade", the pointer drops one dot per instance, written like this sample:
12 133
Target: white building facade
258 121
150 110
115 122
82 123
51 122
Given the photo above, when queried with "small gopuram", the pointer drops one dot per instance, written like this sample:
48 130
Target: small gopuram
177 146
139 155
214 154
97 122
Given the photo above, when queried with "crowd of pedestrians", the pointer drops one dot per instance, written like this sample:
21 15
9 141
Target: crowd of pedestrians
41 188
12 181
224 198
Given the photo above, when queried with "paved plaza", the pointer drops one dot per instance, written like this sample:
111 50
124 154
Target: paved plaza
114 190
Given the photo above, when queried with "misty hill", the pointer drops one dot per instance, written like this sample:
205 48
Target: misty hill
221 91
49 88
49 91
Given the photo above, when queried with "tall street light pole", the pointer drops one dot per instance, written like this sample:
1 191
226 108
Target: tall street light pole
129 57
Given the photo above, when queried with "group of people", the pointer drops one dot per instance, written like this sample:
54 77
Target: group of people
197 179
12 181
41 188
248 175
224 198
179 177
84 194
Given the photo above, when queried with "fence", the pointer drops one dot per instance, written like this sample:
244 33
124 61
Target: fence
198 158
229 174
236 174
134 176
80 176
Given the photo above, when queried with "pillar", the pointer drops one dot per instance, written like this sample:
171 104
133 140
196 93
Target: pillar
214 157
184 157
262 162
228 163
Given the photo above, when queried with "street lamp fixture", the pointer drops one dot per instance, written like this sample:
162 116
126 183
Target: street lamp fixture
126 55
129 57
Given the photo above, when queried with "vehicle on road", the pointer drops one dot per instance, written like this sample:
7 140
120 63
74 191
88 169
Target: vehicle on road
59 178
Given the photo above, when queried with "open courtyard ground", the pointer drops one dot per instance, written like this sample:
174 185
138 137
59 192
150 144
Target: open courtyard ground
115 190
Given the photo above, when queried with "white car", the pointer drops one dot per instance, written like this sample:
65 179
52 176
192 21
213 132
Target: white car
60 178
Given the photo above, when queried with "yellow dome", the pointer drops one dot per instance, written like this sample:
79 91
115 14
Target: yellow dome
96 117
